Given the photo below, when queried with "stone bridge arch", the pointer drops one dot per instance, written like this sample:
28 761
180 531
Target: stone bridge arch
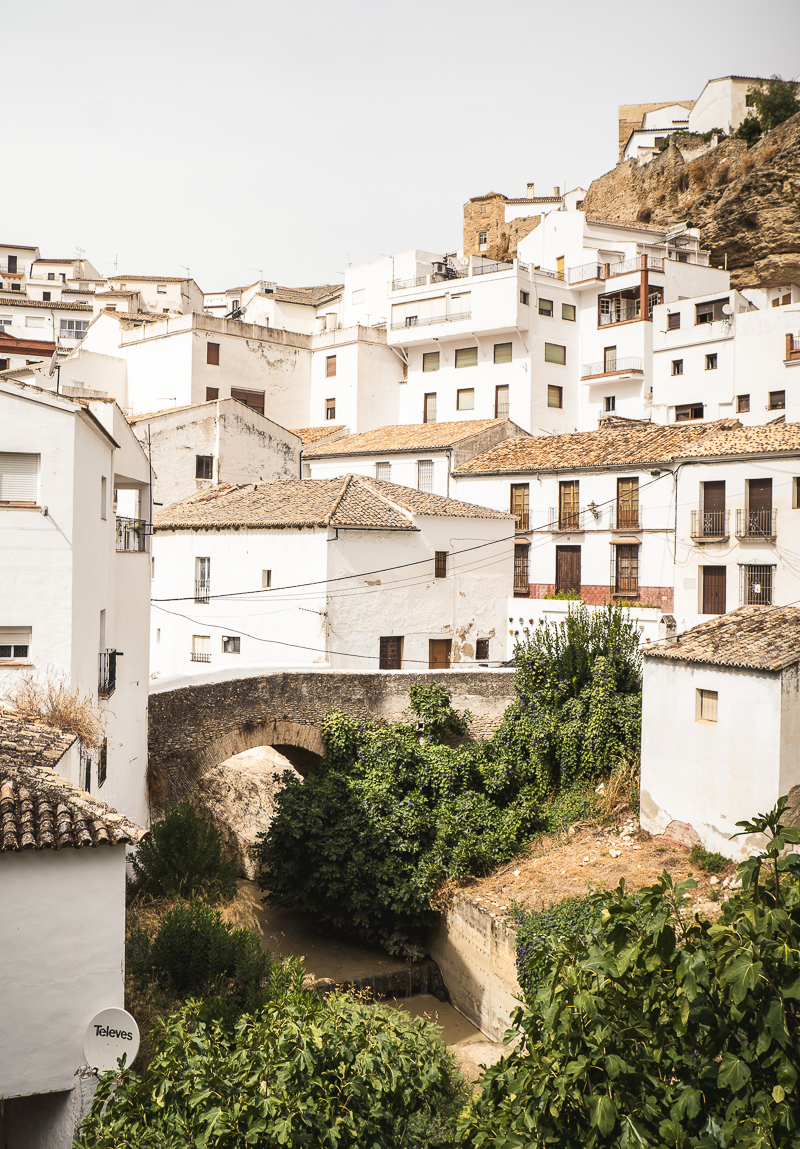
194 728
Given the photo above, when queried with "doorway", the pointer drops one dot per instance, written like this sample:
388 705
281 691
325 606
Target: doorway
568 569
714 590
439 652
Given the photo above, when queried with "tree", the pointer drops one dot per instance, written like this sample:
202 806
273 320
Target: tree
662 1029
775 101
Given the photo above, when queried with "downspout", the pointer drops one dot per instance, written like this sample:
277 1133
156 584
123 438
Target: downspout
217 442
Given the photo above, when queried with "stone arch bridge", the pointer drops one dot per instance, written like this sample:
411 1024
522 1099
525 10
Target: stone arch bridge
195 728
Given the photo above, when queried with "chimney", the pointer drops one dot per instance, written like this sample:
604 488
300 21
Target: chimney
556 192
529 193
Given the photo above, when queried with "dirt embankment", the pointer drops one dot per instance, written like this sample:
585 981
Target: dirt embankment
745 203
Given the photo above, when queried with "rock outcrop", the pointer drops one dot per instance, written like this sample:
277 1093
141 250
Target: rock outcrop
746 203
238 796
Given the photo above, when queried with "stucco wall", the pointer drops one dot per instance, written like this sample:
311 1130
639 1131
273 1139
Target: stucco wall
62 959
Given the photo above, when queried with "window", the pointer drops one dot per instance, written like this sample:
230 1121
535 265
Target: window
466 357
102 763
546 307
677 367
658 141
674 321
520 495
35 321
390 652
266 579
430 361
161 289
358 296
16 287
15 644
710 312
202 579
711 362
742 404
688 411
252 399
569 513
555 396
568 312
429 408
482 238
553 353
522 569
465 399
610 403
425 475
626 575
103 497
46 296
204 467
231 644
628 503
755 585
502 352
501 402
201 648
19 478
330 366
3 362
525 297
706 705
165 310
85 769
212 354
481 648
330 409
383 471
440 565
12 263
411 320
5 321
483 209
609 359
51 275
559 267
212 393
777 400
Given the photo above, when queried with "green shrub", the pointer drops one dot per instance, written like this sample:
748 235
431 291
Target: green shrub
565 595
299 1071
538 929
710 862
432 706
195 951
182 856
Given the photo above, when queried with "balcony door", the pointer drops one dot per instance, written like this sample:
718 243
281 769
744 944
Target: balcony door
628 503
714 579
568 508
520 505
568 569
714 517
759 507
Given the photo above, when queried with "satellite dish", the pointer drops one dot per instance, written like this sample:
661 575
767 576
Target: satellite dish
51 369
727 309
110 1034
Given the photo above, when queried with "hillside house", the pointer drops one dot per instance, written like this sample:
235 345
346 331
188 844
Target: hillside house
703 767
350 572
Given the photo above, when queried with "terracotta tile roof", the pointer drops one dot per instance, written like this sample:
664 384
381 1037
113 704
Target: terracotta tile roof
405 437
135 318
759 637
765 439
150 278
49 304
311 296
18 247
619 442
351 501
39 809
313 434
116 294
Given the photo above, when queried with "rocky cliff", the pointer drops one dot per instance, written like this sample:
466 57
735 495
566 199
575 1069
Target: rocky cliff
745 203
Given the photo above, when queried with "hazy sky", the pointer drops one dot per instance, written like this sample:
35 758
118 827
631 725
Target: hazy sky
288 137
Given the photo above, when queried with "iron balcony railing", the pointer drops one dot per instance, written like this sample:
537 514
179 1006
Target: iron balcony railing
710 524
489 268
626 363
417 321
585 271
197 656
566 520
402 284
451 273
107 681
625 266
756 524
625 518
521 520
202 591
131 535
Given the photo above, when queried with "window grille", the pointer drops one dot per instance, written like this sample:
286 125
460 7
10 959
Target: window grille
755 585
425 475
521 569
625 570
440 565
481 648
383 471
102 763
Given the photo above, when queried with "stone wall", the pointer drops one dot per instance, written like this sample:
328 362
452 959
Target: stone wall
488 213
594 594
195 728
631 116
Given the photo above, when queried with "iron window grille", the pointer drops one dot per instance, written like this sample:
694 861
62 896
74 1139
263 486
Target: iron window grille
102 763
756 585
131 535
481 648
521 569
107 679
625 570
440 564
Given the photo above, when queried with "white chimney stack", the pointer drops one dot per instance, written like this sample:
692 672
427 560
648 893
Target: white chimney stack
530 191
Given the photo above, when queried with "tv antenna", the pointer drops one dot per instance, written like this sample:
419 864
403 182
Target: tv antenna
260 271
186 269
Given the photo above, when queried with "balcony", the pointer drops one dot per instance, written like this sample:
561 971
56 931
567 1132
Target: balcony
403 284
107 680
625 518
430 321
792 347
131 535
588 272
756 524
570 522
489 268
197 656
521 520
710 526
622 366
202 591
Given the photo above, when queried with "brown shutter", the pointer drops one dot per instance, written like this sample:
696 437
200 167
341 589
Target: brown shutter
714 579
568 569
330 366
212 354
714 498
568 508
759 494
391 652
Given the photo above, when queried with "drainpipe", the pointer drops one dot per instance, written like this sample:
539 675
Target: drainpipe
217 442
449 469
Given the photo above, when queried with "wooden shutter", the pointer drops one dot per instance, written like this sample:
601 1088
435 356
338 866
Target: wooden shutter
18 477
440 565
212 393
568 508
330 366
568 569
714 580
628 503
502 352
212 354
759 494
439 650
554 353
391 652
714 497
467 357
520 505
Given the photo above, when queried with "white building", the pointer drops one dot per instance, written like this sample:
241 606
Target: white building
62 934
720 715
348 573
16 261
724 103
166 294
25 319
421 456
193 448
75 577
644 142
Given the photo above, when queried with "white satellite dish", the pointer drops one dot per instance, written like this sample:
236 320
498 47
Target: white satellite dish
52 367
111 1034
727 309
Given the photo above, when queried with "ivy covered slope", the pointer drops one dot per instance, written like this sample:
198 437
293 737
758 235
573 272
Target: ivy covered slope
394 811
659 1028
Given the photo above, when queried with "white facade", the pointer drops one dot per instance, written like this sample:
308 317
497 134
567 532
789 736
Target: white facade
645 141
168 295
221 441
76 580
723 103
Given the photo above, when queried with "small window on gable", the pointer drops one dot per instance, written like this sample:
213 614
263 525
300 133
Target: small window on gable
161 289
502 352
546 307
204 467
707 705
483 209
212 354
673 321
568 312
